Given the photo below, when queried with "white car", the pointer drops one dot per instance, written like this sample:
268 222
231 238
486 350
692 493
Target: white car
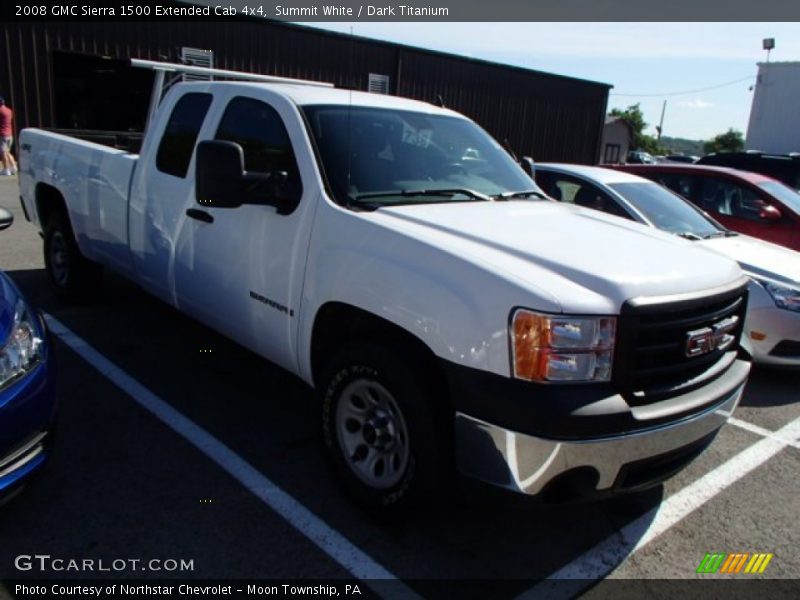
773 315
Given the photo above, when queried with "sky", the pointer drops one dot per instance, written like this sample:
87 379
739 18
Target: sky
647 63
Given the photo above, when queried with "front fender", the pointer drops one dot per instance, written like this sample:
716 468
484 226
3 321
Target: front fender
457 308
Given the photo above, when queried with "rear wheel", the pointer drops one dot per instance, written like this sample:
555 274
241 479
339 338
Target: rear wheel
73 276
381 430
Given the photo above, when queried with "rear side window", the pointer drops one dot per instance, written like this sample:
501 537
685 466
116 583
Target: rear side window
180 135
259 130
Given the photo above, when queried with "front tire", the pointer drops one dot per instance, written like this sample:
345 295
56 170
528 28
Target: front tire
381 430
73 276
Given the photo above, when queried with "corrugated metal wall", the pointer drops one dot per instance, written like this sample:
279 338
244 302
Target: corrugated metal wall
546 116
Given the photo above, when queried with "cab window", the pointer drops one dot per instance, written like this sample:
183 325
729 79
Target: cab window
180 135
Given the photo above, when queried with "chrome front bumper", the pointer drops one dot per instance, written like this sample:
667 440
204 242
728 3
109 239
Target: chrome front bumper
528 464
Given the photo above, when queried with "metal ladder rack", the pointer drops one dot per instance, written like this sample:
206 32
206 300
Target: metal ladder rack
162 68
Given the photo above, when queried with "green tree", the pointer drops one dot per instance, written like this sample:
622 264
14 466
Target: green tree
634 117
730 141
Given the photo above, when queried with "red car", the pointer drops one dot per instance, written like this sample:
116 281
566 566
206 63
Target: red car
742 201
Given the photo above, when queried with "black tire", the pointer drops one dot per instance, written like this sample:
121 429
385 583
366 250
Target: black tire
73 276
422 476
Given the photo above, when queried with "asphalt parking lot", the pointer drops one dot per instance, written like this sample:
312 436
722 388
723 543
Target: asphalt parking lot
174 443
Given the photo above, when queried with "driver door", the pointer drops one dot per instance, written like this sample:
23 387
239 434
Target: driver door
240 269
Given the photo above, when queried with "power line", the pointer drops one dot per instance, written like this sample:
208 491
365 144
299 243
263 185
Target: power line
713 87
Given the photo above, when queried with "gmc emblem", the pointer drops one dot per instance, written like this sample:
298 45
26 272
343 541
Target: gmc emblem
717 337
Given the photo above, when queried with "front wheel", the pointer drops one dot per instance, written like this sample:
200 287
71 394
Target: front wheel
380 427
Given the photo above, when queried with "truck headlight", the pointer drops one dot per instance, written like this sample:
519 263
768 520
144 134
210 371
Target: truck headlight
784 296
562 348
22 350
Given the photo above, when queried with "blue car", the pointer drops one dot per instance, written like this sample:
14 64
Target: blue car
27 386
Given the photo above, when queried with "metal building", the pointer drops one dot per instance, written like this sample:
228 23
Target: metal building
774 117
73 75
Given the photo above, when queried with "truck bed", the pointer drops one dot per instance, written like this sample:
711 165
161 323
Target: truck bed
94 181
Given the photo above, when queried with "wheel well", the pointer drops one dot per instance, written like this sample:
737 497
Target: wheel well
49 202
337 323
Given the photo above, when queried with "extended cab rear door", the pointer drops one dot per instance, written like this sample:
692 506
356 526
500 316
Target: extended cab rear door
162 187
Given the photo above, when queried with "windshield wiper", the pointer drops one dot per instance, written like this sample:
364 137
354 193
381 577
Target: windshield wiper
716 234
520 194
689 236
442 193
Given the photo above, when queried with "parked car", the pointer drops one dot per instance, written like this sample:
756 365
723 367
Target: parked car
637 157
783 167
681 158
27 387
746 202
773 314
387 252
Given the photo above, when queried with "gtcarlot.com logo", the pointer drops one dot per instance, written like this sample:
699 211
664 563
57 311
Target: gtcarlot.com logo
46 562
738 562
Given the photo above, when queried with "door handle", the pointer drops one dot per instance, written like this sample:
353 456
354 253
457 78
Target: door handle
200 215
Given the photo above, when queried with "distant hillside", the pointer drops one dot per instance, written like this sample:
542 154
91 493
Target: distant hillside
683 146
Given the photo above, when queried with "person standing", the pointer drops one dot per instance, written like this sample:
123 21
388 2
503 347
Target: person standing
7 139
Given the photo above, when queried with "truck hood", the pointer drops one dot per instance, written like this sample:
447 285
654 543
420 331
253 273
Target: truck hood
758 258
580 259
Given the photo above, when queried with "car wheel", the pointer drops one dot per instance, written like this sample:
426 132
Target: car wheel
73 276
381 431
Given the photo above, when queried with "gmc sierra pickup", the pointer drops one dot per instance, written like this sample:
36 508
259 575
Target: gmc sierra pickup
396 258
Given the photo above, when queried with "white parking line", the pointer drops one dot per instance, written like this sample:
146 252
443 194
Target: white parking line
612 552
762 432
353 559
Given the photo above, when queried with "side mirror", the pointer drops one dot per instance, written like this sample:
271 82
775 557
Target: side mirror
528 166
6 219
222 182
769 213
219 171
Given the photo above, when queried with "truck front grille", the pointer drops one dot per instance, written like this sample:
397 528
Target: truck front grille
669 348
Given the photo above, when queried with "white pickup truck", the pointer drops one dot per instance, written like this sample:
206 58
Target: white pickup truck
396 258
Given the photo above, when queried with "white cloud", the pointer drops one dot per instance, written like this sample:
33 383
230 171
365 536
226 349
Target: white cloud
696 103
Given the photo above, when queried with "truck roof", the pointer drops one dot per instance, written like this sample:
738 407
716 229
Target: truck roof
307 95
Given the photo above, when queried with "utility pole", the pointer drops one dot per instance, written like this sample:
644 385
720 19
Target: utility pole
660 127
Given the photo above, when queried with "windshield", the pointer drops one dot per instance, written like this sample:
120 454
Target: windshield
783 193
666 210
402 157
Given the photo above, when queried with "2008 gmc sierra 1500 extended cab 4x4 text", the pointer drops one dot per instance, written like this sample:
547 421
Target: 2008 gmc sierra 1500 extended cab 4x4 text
396 258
